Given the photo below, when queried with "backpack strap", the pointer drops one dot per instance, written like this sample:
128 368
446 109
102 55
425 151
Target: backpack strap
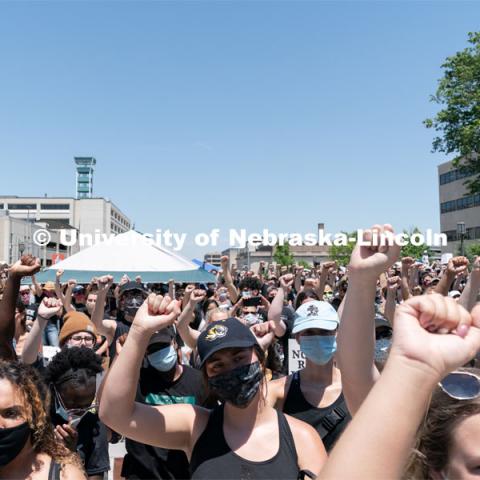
335 416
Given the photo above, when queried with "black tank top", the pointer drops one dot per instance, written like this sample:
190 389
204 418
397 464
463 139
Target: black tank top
212 458
329 421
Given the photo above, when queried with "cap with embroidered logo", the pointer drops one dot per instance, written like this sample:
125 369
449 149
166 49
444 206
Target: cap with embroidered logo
229 333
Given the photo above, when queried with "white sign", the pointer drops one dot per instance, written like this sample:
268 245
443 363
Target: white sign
296 358
445 258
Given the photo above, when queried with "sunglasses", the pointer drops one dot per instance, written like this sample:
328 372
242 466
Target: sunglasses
461 385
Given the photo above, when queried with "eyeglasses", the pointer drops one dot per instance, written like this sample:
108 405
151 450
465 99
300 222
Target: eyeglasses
461 385
25 292
88 339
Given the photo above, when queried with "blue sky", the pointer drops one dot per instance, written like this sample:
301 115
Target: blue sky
230 114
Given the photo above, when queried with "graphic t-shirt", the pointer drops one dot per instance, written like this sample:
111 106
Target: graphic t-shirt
147 462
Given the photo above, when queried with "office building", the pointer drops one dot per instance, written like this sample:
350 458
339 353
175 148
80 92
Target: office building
459 211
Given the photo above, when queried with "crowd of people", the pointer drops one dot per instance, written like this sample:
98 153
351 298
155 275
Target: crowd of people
197 381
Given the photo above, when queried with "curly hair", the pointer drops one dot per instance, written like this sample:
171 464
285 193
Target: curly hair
36 405
73 366
435 435
250 283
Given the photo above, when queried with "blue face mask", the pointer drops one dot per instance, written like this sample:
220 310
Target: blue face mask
318 348
163 360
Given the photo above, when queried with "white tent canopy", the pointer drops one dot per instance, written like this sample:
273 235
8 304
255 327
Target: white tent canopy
129 253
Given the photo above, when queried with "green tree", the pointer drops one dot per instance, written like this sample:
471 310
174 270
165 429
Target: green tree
473 251
304 264
282 255
342 253
458 123
414 251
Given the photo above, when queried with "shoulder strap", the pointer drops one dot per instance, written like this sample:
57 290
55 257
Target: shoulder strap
330 421
285 435
54 472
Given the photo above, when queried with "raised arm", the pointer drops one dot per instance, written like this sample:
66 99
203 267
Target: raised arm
325 269
188 334
456 265
393 284
186 297
58 286
470 292
104 326
36 287
407 264
171 288
232 290
276 308
26 266
417 362
169 426
297 283
356 335
47 309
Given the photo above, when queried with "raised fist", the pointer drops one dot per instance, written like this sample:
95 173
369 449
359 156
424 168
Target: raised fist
373 259
457 265
27 265
157 312
49 307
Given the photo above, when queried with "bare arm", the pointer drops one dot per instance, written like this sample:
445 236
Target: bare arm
27 266
393 284
298 280
232 290
407 263
171 288
276 308
47 309
356 335
188 334
36 287
325 270
417 361
104 326
470 292
456 266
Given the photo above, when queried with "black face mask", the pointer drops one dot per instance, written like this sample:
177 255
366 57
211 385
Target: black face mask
12 440
131 306
237 386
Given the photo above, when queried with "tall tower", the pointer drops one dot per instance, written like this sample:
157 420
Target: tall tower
85 176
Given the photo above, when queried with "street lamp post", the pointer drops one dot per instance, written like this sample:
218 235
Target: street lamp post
461 231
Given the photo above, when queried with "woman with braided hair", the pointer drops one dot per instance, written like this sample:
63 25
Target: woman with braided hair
28 448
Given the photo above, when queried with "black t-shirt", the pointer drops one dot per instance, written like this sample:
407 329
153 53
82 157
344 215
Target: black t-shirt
80 307
31 311
288 317
92 444
122 327
147 462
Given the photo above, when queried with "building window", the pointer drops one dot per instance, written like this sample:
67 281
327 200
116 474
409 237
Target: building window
460 203
452 176
22 206
54 206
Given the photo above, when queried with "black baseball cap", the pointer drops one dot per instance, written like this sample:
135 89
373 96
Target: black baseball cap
229 333
165 335
132 286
